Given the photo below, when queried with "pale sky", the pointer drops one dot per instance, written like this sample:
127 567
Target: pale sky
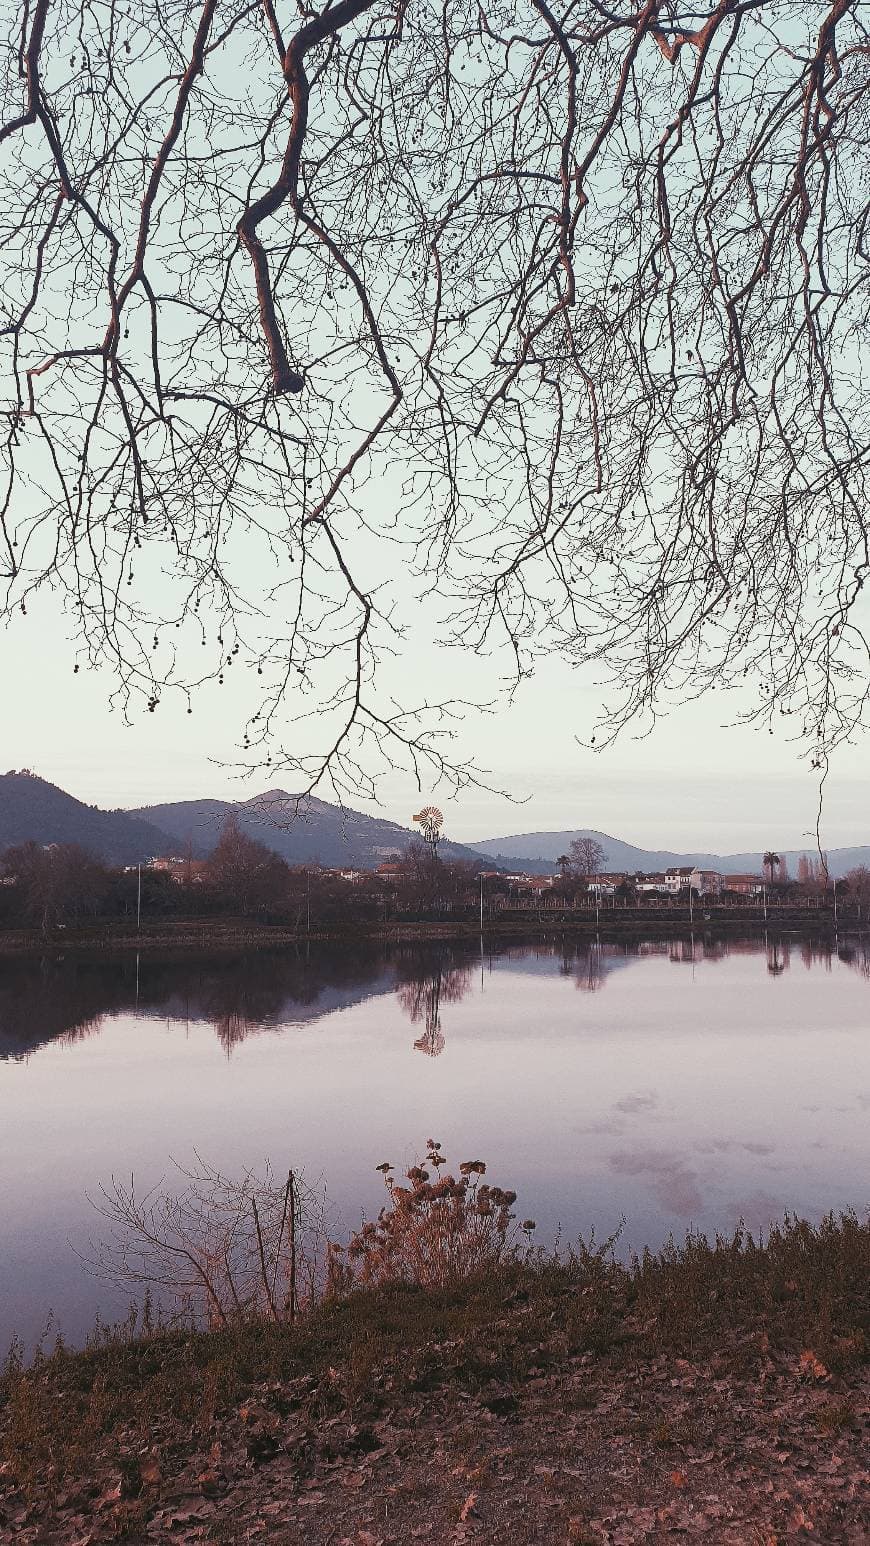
693 783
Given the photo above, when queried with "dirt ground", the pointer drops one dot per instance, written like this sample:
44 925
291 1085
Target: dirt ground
749 1447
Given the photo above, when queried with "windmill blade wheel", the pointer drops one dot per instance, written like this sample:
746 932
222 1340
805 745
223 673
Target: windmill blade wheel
430 816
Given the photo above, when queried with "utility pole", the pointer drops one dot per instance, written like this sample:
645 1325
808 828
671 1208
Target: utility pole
138 896
480 878
307 902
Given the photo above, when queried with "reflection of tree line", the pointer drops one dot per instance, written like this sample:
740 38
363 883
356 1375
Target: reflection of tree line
237 993
590 963
240 994
431 978
776 948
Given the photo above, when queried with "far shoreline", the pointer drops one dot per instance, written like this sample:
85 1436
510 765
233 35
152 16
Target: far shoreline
199 936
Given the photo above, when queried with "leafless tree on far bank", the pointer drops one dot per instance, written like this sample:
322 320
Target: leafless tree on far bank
549 317
587 856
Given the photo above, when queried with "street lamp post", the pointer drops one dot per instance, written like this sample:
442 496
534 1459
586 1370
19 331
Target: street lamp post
481 875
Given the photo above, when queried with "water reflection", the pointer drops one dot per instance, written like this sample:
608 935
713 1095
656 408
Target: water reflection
239 995
67 998
589 973
684 1081
429 978
778 956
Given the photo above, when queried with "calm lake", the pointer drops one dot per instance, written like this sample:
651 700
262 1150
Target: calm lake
676 1085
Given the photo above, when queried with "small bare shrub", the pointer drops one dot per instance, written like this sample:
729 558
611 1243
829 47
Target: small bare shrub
227 1250
436 1231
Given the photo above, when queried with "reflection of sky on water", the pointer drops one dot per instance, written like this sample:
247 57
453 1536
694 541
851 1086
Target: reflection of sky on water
668 1090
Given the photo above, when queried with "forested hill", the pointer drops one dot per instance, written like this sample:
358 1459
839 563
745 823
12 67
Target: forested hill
320 833
33 809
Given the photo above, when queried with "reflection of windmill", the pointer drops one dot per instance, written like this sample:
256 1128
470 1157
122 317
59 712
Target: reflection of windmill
423 995
424 1004
431 821
432 1041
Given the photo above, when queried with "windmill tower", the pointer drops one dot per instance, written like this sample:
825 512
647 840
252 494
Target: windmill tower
431 821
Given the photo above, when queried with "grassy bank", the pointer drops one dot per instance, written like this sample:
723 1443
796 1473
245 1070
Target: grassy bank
722 1389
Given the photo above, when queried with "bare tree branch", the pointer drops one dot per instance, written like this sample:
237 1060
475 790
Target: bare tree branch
554 347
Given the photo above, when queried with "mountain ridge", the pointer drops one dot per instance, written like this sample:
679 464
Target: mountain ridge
543 849
33 808
320 833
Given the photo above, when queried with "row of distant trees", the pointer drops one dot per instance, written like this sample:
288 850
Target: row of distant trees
586 859
64 885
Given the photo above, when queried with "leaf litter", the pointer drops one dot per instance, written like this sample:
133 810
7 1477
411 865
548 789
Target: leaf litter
756 1449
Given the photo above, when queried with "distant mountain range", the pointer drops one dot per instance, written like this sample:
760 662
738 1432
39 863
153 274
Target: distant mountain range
538 852
30 807
320 834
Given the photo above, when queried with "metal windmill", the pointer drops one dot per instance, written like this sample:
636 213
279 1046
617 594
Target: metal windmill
431 821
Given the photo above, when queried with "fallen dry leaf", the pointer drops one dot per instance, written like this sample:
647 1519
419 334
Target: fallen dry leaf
150 1473
468 1509
813 1367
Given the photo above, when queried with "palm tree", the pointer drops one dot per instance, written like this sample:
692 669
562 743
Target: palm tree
564 863
770 862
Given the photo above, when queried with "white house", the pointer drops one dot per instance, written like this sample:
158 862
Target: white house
705 882
677 879
605 884
644 884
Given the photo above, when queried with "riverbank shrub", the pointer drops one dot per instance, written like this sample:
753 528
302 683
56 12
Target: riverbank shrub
733 1303
434 1232
225 1250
